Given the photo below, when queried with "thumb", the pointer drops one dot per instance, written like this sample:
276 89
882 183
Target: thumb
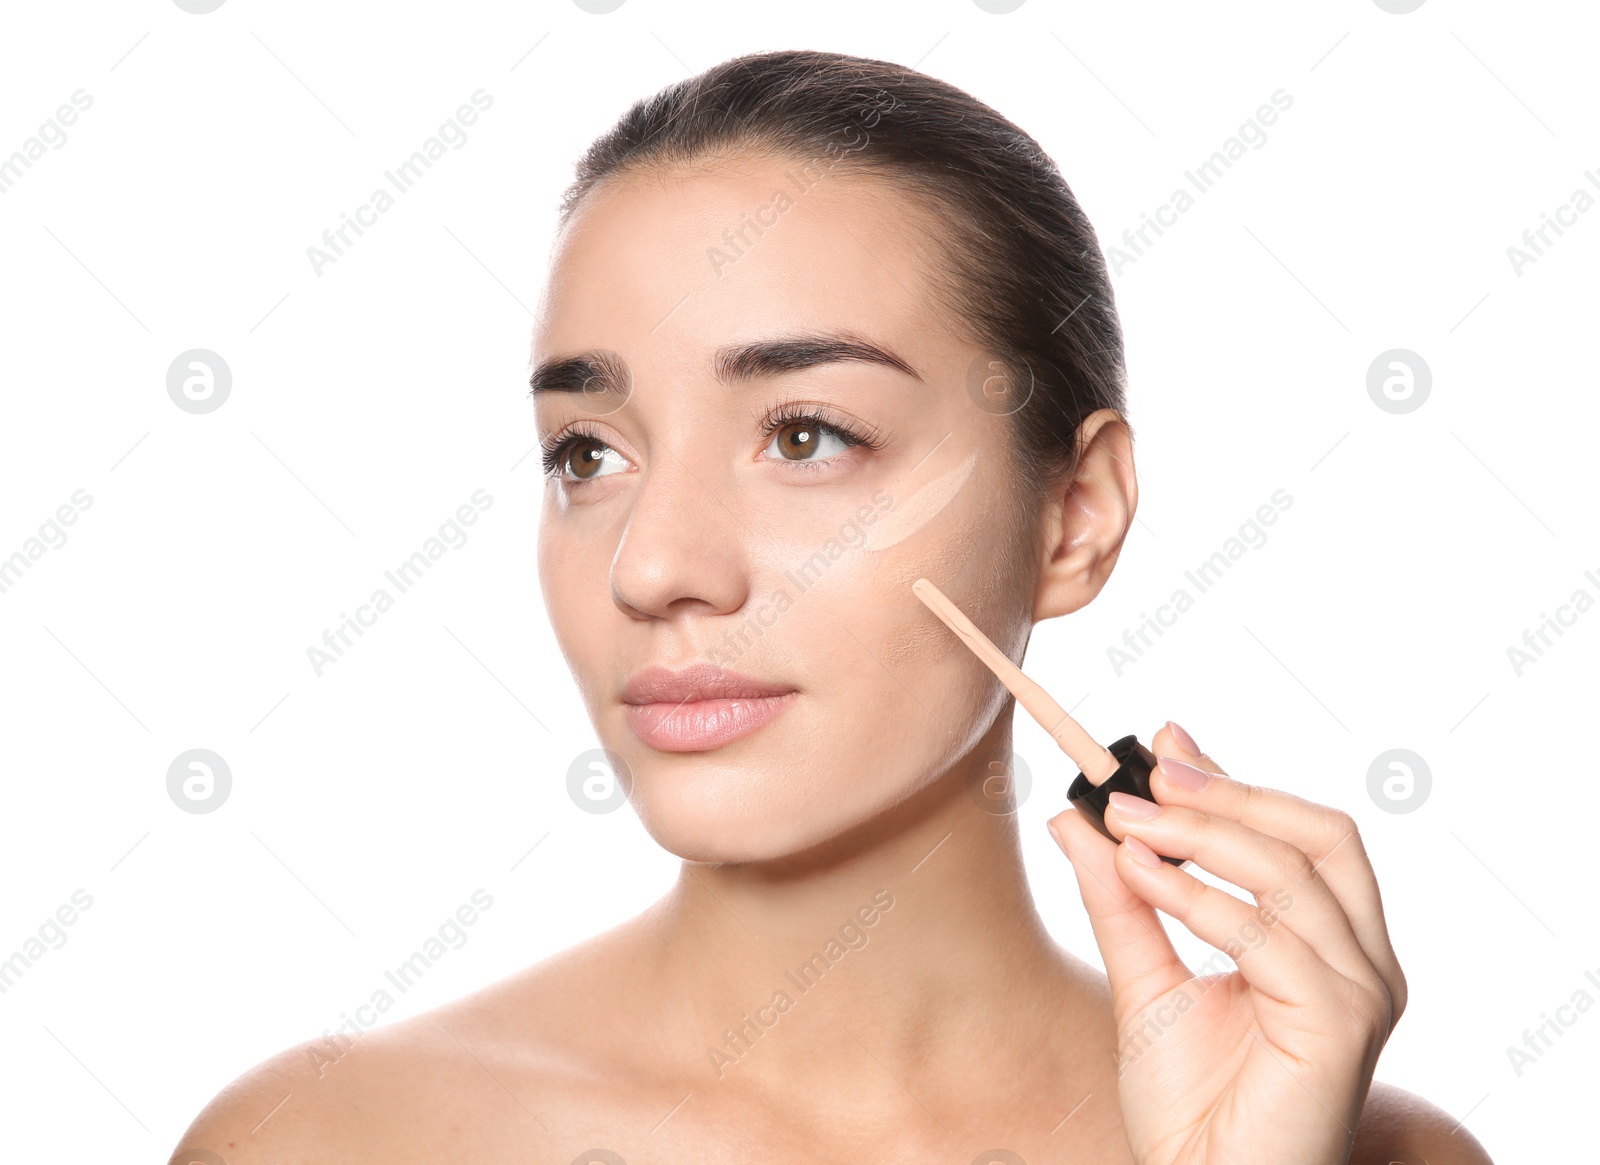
1140 960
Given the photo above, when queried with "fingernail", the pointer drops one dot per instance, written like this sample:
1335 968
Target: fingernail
1133 808
1051 826
1139 852
1185 741
1182 774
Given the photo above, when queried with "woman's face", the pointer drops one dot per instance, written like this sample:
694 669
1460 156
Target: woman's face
745 485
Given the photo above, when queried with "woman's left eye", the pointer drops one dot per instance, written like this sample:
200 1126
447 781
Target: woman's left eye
809 440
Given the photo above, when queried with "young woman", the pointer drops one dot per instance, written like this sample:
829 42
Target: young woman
816 327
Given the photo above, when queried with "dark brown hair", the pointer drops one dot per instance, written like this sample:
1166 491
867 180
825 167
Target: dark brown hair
1024 269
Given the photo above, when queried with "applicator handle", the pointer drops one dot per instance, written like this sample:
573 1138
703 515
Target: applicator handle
1134 762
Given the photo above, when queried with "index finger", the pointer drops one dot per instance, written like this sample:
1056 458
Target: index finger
1328 837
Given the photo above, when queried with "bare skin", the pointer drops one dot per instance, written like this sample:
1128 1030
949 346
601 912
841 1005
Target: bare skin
950 1024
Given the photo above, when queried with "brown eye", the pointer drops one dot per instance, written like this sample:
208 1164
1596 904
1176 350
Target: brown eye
806 441
584 459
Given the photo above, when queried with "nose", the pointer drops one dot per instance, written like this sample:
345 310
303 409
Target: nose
682 548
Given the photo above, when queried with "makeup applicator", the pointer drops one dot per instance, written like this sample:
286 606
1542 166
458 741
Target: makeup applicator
1122 768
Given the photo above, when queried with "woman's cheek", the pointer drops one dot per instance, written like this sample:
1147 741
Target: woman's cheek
912 646
965 555
575 587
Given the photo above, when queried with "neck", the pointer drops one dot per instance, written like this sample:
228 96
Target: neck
916 937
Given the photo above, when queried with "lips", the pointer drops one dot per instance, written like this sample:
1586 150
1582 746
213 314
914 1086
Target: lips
701 707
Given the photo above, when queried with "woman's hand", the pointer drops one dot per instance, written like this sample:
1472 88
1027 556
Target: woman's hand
1269 1063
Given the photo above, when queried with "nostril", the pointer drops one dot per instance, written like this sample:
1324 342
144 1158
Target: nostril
673 566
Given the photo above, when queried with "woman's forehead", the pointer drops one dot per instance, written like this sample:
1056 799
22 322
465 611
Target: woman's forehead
748 232
700 260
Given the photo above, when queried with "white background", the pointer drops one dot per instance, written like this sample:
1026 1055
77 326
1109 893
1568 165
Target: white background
368 402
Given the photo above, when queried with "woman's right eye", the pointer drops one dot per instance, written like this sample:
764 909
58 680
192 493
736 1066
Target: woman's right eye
584 459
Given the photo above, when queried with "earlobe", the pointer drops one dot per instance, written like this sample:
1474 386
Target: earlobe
1087 518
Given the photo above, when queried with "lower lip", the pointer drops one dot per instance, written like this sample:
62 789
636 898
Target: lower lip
704 724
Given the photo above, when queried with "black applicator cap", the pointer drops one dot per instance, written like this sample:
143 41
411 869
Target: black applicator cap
1134 762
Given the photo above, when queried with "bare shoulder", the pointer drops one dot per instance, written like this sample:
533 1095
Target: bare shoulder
464 1079
324 1099
1400 1127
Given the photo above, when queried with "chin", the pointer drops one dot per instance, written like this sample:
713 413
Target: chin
715 812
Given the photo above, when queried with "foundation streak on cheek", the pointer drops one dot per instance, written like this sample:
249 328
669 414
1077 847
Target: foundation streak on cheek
968 567
959 556
906 518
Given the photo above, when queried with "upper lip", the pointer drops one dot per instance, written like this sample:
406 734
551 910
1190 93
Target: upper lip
701 681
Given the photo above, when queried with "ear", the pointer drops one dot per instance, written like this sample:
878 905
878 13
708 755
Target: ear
1087 518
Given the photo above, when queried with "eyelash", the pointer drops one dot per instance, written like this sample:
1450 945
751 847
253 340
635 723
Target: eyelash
797 412
556 448
786 413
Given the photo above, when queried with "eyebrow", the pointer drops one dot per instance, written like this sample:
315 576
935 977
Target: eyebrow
601 371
